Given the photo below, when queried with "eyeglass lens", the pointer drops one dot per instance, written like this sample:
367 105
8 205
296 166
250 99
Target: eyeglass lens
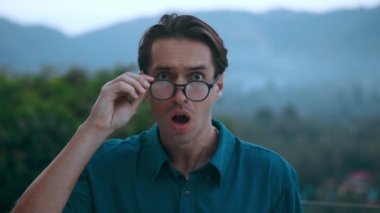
194 90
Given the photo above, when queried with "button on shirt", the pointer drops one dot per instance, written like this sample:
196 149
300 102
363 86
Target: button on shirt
135 175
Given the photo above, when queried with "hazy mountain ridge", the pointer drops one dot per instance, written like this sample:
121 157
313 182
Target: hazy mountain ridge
325 63
282 34
23 47
312 46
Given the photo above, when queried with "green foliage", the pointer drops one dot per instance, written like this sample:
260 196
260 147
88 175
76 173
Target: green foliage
39 113
323 153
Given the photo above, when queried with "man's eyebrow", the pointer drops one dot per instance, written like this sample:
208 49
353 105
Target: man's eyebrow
161 67
197 67
158 68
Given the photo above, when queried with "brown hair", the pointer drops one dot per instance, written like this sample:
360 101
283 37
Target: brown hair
183 26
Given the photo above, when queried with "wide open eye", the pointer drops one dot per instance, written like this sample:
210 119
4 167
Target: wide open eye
197 77
164 76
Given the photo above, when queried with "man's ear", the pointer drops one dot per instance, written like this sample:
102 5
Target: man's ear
219 86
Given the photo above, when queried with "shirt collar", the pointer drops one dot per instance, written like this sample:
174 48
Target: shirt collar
223 154
155 156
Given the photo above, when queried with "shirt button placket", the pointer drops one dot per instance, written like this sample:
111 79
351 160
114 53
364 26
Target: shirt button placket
187 193
186 198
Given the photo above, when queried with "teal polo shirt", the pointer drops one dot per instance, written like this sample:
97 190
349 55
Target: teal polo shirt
135 175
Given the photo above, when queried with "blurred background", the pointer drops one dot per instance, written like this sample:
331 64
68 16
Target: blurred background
303 80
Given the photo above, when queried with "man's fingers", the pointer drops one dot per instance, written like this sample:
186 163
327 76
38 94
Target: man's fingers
131 90
120 88
143 79
140 86
140 81
131 84
137 101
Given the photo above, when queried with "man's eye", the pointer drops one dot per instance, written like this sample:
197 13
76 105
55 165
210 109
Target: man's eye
197 77
163 76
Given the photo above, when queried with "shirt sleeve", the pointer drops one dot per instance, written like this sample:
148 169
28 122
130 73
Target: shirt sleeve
80 199
290 200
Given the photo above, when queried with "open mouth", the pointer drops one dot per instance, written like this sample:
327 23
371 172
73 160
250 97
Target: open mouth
180 119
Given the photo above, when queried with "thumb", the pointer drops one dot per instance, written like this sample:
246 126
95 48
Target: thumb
135 103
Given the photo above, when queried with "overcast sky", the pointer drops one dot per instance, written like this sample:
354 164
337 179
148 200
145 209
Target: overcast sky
74 17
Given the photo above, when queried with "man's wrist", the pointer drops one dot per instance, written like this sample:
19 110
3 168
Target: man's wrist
91 132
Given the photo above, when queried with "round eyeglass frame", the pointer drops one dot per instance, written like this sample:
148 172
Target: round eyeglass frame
183 88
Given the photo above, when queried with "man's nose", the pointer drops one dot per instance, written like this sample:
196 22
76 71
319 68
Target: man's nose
179 95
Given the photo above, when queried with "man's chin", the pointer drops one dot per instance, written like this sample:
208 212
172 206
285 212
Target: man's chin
177 128
181 139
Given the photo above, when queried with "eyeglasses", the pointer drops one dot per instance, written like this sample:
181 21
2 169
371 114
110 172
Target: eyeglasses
194 90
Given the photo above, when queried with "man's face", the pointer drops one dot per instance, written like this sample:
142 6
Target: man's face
180 61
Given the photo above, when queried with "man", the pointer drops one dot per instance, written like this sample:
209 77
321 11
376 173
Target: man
186 162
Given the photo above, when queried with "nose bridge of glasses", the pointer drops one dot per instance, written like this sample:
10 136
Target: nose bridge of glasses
181 86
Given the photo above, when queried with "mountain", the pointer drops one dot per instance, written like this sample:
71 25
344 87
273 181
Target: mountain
305 47
28 48
276 58
275 46
25 47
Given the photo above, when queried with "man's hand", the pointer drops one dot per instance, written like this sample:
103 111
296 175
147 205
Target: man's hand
116 104
118 101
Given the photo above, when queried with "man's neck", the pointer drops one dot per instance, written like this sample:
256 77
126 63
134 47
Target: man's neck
193 155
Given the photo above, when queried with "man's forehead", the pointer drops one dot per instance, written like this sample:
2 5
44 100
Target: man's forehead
173 54
169 44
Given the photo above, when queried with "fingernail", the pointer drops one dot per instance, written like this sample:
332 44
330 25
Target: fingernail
150 77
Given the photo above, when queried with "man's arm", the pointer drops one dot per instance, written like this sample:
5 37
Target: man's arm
116 104
289 198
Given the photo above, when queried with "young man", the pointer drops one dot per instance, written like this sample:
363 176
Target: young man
186 162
